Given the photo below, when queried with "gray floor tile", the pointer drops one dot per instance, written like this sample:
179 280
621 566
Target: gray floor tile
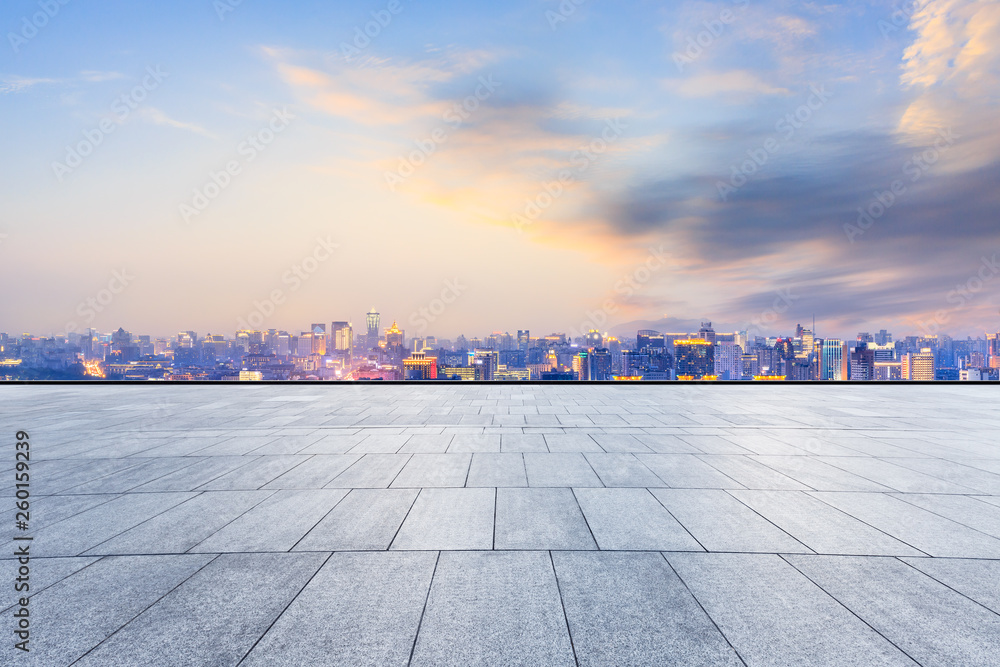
497 470
923 530
366 519
722 523
822 528
213 618
682 471
632 520
315 473
976 579
540 519
772 615
504 607
930 622
372 471
434 470
76 614
622 470
276 524
449 519
359 609
179 528
567 470
631 609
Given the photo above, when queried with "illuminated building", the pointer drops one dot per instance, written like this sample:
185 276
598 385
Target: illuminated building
251 376
599 365
922 366
706 332
394 337
372 319
695 357
593 338
463 373
862 364
728 361
485 364
523 340
648 338
343 336
420 367
319 338
832 362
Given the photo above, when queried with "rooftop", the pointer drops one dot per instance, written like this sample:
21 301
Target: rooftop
506 524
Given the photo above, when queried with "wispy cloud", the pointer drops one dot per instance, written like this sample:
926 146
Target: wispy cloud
158 117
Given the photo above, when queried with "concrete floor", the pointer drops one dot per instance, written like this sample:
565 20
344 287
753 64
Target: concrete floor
507 524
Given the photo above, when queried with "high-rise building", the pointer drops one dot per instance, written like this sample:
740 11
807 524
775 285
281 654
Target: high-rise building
728 361
832 362
523 340
648 338
372 319
922 365
343 337
695 358
600 365
319 339
395 338
485 363
862 364
706 332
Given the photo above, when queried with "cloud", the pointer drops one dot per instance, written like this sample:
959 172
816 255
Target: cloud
734 82
94 76
952 69
157 117
12 83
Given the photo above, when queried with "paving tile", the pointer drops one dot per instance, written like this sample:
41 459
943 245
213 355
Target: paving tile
540 519
923 530
622 470
494 608
751 474
965 510
276 524
213 618
497 469
434 470
571 442
467 442
975 579
568 470
359 609
255 474
523 442
366 519
930 622
818 475
822 528
73 536
682 471
633 520
449 519
372 471
76 614
631 609
772 615
314 473
956 473
894 476
179 528
722 523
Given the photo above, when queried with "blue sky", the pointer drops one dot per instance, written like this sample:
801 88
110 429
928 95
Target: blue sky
566 165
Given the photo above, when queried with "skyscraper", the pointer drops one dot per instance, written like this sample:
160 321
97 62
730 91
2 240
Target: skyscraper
523 339
373 329
832 362
695 358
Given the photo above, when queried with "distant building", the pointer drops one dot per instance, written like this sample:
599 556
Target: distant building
695 358
420 367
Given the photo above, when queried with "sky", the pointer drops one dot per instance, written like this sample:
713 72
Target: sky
470 167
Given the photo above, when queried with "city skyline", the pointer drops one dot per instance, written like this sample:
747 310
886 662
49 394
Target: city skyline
536 161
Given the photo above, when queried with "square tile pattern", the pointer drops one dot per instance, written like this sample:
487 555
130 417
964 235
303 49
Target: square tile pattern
508 525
